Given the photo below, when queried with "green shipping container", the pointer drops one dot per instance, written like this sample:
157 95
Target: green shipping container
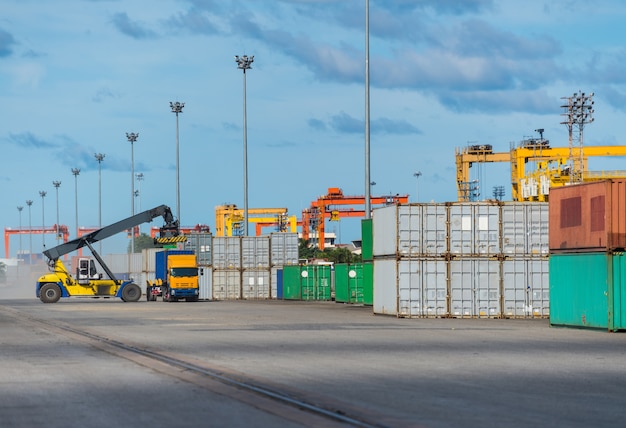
354 283
367 240
307 282
588 290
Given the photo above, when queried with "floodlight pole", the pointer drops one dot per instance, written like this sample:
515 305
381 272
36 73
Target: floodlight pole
243 63
132 137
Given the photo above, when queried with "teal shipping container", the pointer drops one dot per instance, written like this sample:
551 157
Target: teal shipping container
588 290
354 283
307 282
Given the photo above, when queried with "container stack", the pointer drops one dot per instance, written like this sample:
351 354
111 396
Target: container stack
202 245
482 259
587 262
283 252
227 268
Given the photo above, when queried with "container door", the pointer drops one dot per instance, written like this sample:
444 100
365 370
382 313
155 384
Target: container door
410 288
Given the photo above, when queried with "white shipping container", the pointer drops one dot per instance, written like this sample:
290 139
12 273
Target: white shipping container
255 252
226 284
526 288
255 284
385 293
525 229
435 229
148 259
227 252
475 287
205 282
474 229
274 281
283 249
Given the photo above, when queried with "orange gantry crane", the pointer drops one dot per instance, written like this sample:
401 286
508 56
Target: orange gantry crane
59 230
327 206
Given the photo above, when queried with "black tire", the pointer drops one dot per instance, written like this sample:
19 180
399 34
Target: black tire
131 293
50 293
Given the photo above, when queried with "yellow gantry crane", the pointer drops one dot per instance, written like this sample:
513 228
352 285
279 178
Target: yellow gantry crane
228 217
550 167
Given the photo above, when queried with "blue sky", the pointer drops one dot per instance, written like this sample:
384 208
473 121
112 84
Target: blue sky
76 75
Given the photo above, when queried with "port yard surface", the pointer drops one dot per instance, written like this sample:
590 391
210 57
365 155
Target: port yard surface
384 370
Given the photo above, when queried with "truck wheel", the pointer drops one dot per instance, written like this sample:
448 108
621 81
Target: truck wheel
131 293
50 293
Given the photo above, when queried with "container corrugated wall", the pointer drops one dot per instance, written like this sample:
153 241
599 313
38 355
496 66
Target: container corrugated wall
227 252
284 249
226 284
588 217
202 245
205 282
353 283
255 284
255 252
461 260
307 282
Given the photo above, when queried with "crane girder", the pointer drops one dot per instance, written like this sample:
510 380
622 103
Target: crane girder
520 156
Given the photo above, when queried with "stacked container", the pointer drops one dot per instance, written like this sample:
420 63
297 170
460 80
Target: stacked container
587 263
461 260
283 252
227 268
202 245
255 263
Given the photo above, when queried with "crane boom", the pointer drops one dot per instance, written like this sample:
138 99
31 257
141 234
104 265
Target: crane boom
169 229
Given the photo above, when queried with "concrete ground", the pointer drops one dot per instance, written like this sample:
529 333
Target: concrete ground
394 372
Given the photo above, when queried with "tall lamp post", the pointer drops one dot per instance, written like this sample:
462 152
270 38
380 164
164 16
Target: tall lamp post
30 231
76 172
99 157
43 194
368 201
132 137
243 63
56 185
138 193
177 108
19 209
417 175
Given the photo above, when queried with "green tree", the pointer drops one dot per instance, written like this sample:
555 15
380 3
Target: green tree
335 255
141 242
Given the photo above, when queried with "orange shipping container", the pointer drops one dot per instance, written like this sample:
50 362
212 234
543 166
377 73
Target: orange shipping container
588 217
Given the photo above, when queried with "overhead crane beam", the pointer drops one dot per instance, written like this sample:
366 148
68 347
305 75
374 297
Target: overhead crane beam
321 209
520 156
222 212
61 230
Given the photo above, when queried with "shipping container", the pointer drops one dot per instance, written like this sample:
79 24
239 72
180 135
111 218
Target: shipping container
307 282
588 217
276 283
525 229
435 229
205 282
475 287
255 252
474 229
227 252
588 290
255 284
526 287
226 284
461 229
353 283
283 249
367 237
411 288
201 244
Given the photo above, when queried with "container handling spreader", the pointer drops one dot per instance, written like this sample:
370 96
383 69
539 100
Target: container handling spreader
87 282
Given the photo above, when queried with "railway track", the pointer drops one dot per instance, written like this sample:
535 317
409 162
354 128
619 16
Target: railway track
308 411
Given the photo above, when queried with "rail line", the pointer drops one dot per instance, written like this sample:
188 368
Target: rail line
194 372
